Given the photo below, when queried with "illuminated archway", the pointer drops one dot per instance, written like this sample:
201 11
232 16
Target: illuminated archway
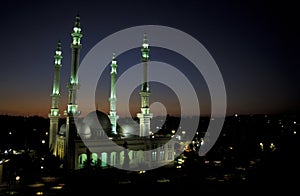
113 158
81 160
103 159
121 158
94 158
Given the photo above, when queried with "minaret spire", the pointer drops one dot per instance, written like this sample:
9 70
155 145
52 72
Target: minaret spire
72 109
145 114
73 85
54 112
145 58
113 98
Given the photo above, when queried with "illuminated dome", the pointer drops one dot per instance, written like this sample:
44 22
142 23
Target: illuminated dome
62 130
84 131
128 130
98 120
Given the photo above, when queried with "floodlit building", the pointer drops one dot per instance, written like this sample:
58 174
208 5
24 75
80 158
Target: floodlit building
86 142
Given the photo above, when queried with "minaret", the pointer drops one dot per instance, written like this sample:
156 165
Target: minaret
145 114
113 98
54 112
73 85
72 110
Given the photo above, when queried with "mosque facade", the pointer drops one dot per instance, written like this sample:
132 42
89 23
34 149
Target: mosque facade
85 142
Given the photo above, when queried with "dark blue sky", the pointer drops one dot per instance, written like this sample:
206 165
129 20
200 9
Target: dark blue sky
255 44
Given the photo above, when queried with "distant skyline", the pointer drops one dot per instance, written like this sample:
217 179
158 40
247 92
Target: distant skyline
254 43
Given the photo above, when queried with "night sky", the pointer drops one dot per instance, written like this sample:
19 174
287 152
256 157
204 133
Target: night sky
255 44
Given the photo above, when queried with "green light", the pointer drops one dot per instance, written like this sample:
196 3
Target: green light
72 109
76 41
73 81
145 45
145 111
145 52
58 55
54 112
114 64
76 36
77 32
77 29
113 71
55 92
145 55
57 61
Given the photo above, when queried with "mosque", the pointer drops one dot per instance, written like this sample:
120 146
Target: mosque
78 144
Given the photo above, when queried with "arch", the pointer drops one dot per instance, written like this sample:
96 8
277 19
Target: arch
122 157
161 155
81 160
94 158
113 158
103 159
131 154
154 156
140 156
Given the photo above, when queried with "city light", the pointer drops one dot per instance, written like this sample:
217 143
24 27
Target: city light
261 145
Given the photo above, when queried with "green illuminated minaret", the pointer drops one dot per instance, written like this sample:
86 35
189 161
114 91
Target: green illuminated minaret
73 85
54 112
145 114
72 110
113 98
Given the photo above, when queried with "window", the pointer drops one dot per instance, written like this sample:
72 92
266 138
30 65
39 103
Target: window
162 155
170 155
154 155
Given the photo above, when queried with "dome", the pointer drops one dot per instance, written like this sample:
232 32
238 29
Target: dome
128 130
62 130
84 131
98 120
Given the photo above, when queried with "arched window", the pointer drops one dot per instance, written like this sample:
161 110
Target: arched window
140 155
121 157
154 155
94 158
104 159
170 157
162 155
113 158
81 160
